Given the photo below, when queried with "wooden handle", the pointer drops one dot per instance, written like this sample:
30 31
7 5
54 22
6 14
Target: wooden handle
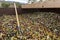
16 15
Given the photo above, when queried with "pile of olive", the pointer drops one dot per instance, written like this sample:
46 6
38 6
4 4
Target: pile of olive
37 25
